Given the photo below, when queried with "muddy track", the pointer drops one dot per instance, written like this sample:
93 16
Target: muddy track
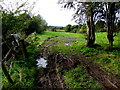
55 80
51 80
97 73
55 60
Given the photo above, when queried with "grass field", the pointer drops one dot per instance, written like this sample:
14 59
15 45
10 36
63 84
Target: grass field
109 60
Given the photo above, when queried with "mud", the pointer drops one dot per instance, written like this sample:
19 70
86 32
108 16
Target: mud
53 79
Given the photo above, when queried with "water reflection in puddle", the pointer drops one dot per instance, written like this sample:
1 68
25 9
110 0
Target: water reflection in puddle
67 43
41 62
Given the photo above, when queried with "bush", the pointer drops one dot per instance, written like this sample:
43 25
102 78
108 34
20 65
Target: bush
83 29
74 28
68 28
100 26
53 29
39 24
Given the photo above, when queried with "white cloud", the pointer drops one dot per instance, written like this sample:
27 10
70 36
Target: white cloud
53 13
48 9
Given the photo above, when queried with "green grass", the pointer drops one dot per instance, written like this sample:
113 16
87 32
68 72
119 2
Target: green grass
78 78
23 71
38 39
109 60
101 38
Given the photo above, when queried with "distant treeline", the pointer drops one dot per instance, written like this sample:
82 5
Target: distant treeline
100 26
55 28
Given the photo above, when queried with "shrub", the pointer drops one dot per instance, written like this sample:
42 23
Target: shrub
83 29
100 26
68 28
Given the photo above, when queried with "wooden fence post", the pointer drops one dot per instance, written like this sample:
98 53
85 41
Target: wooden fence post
6 74
23 48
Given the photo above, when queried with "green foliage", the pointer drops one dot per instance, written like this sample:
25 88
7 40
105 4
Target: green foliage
75 77
83 29
14 24
68 28
78 78
23 71
74 28
22 23
53 29
39 24
26 74
7 19
100 26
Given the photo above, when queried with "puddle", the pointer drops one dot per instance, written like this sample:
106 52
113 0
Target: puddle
67 43
41 62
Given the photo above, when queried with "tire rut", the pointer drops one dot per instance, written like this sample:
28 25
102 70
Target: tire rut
54 80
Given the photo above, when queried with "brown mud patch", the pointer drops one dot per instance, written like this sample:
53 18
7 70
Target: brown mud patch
52 79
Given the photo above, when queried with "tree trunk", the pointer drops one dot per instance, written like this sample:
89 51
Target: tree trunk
90 29
110 23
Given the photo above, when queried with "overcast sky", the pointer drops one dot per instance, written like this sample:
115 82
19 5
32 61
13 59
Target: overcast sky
49 10
53 13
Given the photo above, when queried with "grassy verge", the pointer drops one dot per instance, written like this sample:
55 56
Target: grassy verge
22 71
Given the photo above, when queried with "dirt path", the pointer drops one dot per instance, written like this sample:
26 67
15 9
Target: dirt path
53 80
98 74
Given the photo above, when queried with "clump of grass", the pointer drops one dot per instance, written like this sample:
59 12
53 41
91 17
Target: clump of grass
78 78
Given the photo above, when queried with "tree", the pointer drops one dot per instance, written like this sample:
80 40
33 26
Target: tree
109 11
83 29
110 17
87 9
118 25
90 25
100 25
14 24
53 29
38 24
20 20
74 28
68 28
